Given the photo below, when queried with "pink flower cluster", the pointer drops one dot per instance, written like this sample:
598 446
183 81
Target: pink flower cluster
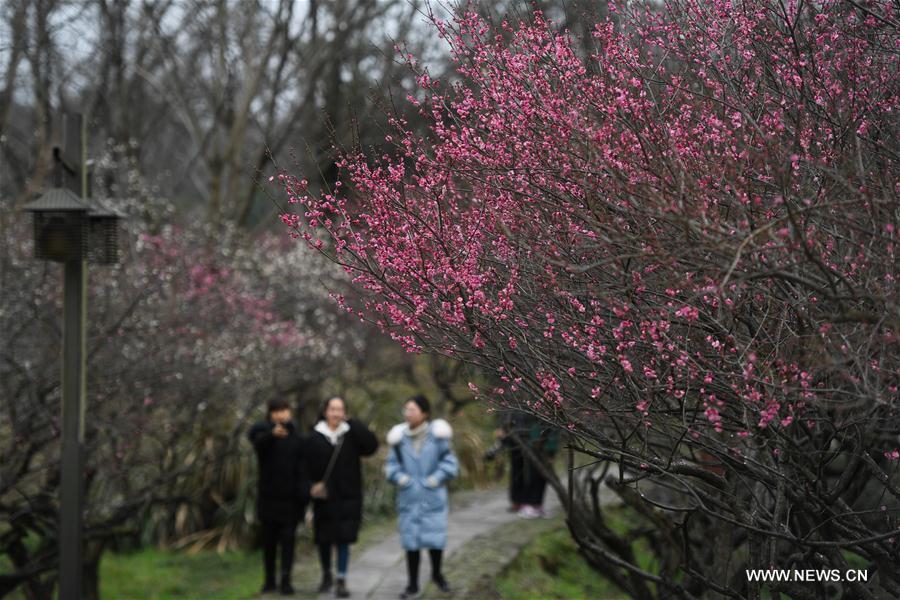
691 211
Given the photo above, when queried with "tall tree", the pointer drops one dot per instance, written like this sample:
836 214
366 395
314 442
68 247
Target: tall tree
198 94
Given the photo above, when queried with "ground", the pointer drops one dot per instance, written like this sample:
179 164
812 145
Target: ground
491 554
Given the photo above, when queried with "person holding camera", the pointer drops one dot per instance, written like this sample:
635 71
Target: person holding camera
334 451
282 490
529 442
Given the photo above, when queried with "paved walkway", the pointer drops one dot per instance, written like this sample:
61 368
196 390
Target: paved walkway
380 571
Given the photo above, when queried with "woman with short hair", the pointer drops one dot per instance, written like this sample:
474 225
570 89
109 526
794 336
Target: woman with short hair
421 463
282 492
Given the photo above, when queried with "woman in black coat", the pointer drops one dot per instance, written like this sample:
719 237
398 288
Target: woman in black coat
333 458
283 489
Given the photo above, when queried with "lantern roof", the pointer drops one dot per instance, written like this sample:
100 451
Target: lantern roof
62 199
57 199
99 211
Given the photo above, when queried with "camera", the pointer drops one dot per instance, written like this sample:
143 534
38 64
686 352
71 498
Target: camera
495 449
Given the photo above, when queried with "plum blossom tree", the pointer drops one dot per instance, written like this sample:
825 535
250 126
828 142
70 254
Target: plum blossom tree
681 248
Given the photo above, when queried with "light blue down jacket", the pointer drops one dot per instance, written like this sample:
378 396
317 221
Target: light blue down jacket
422 501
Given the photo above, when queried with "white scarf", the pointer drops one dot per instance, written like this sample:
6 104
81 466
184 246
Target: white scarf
418 435
332 435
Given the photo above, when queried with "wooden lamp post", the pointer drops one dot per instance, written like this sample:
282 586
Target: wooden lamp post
69 230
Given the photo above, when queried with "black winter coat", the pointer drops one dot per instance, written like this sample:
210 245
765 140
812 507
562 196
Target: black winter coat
283 485
337 518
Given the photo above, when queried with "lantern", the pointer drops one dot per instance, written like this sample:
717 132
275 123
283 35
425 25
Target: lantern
61 226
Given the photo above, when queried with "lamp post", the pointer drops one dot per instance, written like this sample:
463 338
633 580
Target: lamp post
69 230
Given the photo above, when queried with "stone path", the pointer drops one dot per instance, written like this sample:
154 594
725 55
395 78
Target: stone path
380 571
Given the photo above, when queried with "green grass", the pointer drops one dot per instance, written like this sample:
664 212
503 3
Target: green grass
550 567
159 574
152 574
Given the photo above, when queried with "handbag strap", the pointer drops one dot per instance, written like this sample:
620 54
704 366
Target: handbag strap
333 459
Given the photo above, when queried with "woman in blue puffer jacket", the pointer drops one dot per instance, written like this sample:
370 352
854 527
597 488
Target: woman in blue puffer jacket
420 464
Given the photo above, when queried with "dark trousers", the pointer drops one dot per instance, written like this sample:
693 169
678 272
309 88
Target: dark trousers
412 566
526 483
274 535
343 558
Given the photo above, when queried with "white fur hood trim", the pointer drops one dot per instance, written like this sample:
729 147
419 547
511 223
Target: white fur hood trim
395 435
439 428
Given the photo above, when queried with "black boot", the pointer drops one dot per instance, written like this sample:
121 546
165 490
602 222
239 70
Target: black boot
342 591
286 588
436 555
412 570
269 586
440 582
325 586
409 593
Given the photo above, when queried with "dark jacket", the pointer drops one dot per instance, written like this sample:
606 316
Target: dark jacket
283 484
337 518
533 432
